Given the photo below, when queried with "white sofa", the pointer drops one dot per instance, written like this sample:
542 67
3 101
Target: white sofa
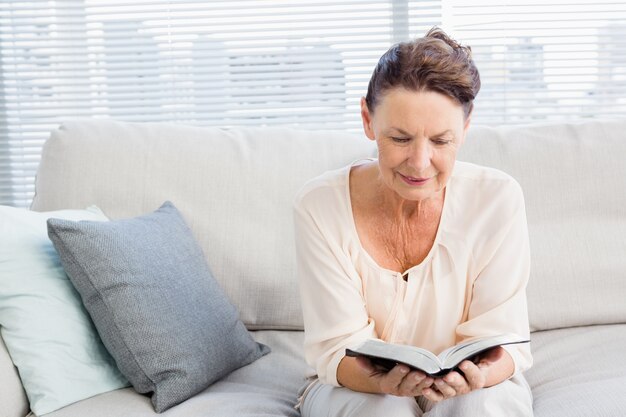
235 189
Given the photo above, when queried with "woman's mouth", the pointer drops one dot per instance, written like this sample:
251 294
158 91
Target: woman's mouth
414 180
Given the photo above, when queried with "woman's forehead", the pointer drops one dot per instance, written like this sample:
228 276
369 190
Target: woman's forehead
410 110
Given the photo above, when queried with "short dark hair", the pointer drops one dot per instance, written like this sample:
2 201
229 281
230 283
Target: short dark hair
432 63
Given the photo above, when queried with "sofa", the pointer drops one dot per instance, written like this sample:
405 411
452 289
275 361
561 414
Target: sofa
235 187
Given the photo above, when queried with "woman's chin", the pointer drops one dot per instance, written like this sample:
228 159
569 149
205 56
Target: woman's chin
415 195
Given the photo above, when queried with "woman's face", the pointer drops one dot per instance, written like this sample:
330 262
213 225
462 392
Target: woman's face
418 134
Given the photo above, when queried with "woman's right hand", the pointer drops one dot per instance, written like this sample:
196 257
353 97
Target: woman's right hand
399 381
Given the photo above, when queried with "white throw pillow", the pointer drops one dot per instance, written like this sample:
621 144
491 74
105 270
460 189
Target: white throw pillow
48 333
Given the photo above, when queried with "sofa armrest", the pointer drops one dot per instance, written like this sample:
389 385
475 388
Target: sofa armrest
13 401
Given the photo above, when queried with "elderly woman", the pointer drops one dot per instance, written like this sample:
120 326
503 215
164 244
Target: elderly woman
414 248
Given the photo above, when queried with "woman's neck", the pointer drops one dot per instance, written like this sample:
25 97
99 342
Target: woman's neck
402 210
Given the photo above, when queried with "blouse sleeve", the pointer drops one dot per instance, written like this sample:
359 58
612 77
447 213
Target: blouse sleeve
333 306
498 298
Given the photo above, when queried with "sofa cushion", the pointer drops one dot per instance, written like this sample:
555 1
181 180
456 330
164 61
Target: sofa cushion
234 187
574 182
12 396
267 387
47 331
579 372
158 309
568 362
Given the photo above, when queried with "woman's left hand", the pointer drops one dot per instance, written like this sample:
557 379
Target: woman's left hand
475 376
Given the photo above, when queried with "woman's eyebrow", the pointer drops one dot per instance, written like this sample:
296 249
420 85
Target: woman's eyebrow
444 133
402 132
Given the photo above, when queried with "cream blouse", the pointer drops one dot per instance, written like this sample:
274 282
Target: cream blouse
471 283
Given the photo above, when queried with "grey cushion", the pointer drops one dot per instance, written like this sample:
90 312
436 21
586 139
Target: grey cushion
158 309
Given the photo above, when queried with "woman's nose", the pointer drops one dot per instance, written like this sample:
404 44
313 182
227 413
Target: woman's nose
419 156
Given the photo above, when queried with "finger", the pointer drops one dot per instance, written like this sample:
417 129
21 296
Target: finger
410 384
457 382
426 383
390 382
473 375
432 394
446 390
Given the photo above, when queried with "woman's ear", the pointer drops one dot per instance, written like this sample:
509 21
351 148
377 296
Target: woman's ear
366 117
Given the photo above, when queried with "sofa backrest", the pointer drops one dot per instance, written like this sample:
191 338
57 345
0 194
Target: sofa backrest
235 189
574 181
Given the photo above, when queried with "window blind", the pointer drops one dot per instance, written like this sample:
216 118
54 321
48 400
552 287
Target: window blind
302 63
545 60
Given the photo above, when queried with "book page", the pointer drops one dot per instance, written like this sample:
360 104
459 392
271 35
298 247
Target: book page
409 355
467 349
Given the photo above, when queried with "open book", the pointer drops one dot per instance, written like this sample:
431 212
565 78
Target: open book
388 355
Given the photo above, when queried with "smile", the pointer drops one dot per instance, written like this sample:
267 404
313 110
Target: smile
414 181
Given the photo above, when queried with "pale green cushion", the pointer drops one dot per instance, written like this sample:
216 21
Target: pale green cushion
48 333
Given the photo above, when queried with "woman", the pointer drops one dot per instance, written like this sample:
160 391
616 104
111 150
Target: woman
414 248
